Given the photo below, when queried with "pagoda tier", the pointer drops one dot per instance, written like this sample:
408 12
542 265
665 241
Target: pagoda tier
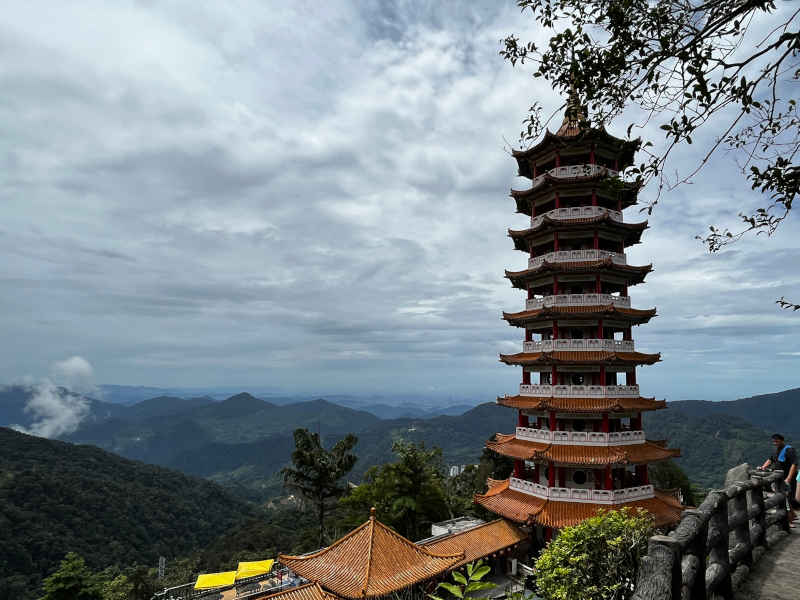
591 310
581 405
624 274
609 230
524 507
581 453
579 445
576 358
575 187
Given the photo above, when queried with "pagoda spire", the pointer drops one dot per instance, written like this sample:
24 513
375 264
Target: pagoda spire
574 114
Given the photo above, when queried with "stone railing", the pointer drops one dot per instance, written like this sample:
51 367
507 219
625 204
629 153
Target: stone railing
715 545
578 344
641 492
579 391
578 300
576 212
576 256
580 438
572 171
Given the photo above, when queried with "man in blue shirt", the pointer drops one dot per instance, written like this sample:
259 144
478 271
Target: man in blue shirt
785 459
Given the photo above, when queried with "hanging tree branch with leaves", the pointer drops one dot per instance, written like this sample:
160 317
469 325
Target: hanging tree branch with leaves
692 66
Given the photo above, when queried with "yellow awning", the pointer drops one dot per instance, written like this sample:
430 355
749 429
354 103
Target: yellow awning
253 568
213 580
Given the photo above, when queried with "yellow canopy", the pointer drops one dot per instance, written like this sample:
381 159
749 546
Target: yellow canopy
253 568
214 580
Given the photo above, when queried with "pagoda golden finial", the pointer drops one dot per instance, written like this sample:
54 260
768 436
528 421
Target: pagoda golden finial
372 513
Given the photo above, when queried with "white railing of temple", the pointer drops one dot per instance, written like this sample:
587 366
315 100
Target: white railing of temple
577 256
570 345
575 171
577 212
579 391
641 492
578 300
580 438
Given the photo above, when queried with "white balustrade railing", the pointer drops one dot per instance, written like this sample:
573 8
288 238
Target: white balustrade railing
577 256
571 171
572 345
641 492
577 212
579 391
578 300
580 438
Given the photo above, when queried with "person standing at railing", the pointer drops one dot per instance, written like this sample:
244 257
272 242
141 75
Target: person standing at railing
785 459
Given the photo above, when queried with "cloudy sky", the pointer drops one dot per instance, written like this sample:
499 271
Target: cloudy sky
313 198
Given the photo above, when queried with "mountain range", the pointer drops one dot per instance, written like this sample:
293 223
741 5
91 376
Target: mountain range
243 441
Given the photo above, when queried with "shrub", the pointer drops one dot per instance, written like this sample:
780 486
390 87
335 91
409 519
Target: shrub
596 559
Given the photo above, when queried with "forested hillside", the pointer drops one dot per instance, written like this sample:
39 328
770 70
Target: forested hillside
57 497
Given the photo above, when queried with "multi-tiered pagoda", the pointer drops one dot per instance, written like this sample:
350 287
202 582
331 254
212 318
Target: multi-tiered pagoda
579 444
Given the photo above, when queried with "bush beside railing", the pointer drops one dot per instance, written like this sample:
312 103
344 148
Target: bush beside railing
713 548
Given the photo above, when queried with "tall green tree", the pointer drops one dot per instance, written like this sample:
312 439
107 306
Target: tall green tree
722 73
316 473
73 580
408 494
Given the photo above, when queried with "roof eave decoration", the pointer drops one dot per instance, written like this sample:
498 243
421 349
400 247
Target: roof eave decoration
580 356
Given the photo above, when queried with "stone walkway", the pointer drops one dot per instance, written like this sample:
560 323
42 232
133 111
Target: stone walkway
777 575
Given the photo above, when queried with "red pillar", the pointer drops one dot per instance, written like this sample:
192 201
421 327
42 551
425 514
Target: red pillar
598 286
517 467
558 201
554 377
555 285
533 205
533 168
551 475
636 422
552 420
555 241
558 159
522 419
626 334
594 197
526 377
609 483
555 330
536 474
602 375
529 335
630 377
530 293
548 534
600 329
596 240
604 426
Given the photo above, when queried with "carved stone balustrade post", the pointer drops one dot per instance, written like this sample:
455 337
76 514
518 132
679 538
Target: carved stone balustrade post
718 572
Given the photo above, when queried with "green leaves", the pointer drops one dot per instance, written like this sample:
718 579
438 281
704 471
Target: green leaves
469 584
595 560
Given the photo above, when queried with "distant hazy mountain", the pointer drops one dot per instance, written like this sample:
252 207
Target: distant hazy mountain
57 497
243 441
779 412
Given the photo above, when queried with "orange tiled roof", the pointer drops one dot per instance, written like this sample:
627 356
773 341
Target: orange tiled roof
635 315
580 356
309 591
370 561
524 508
646 452
479 541
581 404
632 231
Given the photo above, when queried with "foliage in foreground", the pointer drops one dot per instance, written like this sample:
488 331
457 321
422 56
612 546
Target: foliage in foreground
595 560
465 585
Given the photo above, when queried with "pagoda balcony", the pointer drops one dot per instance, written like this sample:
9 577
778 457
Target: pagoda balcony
578 300
580 438
572 171
576 256
576 212
578 344
579 391
640 492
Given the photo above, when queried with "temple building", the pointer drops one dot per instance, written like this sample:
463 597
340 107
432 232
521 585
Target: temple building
579 445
